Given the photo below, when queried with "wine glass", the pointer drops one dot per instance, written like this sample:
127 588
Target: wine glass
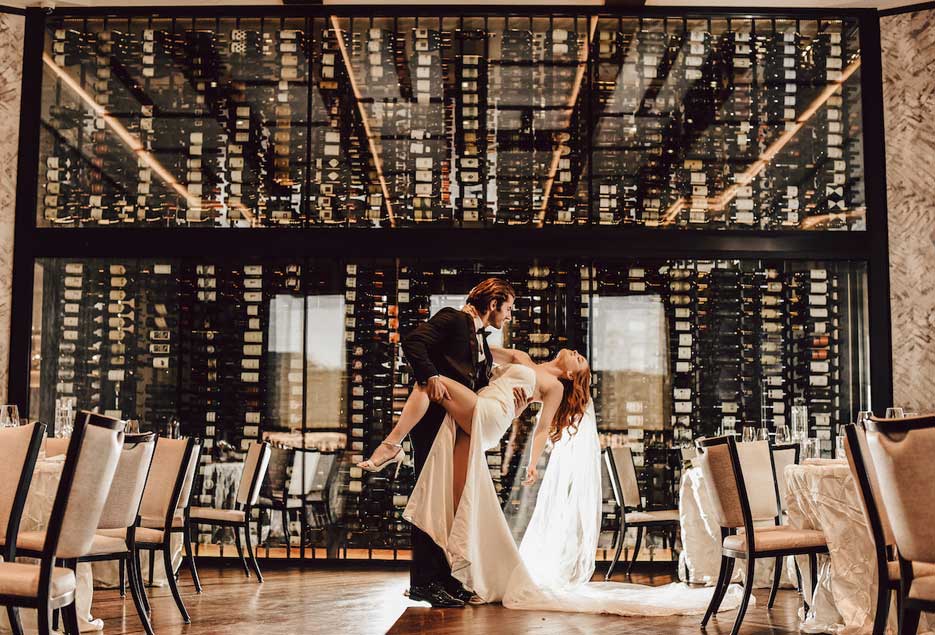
839 452
749 434
9 416
862 418
783 436
762 434
894 413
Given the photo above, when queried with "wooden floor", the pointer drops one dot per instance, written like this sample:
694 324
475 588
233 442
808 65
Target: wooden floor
338 601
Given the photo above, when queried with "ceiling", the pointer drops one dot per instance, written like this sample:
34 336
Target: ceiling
743 4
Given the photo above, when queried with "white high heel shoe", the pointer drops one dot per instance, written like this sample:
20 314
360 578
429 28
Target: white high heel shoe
397 458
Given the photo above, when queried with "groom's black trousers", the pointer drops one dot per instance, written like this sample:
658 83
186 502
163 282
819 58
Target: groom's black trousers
429 563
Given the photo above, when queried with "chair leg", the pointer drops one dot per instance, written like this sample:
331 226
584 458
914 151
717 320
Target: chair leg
813 569
43 616
70 618
123 578
287 535
715 597
16 625
173 585
138 570
137 593
152 564
636 549
256 565
909 621
747 591
882 609
777 574
187 538
243 560
621 535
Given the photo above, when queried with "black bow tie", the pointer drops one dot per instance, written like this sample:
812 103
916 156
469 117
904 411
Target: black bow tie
483 332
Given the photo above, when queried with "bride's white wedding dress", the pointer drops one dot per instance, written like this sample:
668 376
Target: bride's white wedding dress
552 568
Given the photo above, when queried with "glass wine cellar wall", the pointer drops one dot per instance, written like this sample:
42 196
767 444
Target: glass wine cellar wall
508 126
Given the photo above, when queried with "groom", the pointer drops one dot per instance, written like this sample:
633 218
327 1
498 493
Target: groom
452 343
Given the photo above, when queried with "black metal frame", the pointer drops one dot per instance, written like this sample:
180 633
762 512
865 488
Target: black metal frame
751 554
247 508
33 242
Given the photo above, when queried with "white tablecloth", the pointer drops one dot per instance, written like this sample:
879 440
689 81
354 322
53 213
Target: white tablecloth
36 513
823 495
701 539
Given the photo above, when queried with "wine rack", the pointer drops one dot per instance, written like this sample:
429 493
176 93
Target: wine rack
715 123
238 349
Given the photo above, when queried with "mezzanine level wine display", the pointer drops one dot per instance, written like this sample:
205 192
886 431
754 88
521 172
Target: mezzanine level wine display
239 349
729 123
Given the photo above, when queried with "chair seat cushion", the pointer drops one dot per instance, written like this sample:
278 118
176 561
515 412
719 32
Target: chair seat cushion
104 545
923 589
22 580
919 570
159 523
777 539
211 513
661 516
143 534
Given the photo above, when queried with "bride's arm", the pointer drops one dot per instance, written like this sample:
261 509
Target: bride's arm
551 398
510 356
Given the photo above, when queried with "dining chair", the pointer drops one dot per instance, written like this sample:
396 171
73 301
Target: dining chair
881 532
630 512
248 491
164 507
783 455
901 452
87 474
736 512
274 494
19 450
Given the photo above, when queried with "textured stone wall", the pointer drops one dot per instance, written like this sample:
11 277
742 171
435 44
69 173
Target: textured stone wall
909 109
11 79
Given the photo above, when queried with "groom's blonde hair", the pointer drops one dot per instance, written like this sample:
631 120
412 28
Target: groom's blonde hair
490 290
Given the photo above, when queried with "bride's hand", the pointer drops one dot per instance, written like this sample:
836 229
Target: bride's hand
532 474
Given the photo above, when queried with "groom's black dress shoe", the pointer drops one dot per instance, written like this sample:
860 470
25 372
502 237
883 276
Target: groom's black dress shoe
460 593
436 595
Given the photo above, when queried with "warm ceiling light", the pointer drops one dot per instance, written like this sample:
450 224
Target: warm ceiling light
377 162
719 202
572 100
131 141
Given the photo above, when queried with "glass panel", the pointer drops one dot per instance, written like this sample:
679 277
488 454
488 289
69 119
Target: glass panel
725 123
306 355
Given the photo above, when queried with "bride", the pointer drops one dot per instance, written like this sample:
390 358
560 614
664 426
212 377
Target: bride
461 512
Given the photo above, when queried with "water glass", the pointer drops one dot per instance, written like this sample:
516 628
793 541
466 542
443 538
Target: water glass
783 436
810 449
762 434
894 413
839 452
9 416
862 418
749 434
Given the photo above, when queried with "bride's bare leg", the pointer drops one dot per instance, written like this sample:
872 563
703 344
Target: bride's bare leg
461 403
462 451
417 404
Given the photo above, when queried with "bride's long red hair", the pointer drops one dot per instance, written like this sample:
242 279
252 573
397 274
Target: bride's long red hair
574 403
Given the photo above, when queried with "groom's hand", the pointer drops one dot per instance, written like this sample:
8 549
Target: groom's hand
436 389
520 400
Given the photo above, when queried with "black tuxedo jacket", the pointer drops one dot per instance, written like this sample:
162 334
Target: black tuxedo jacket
447 345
